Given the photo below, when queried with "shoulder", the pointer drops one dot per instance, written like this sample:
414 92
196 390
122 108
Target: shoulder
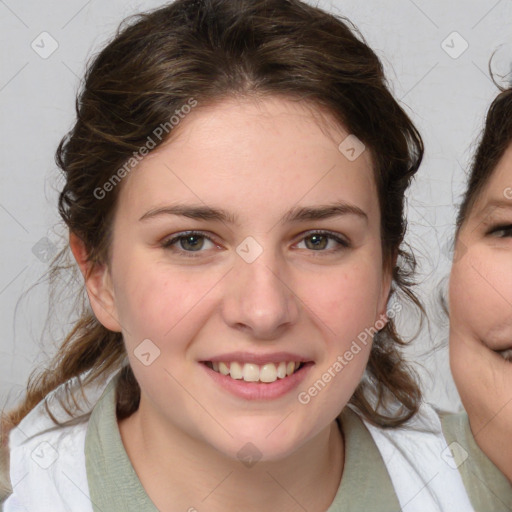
47 462
113 482
487 487
414 454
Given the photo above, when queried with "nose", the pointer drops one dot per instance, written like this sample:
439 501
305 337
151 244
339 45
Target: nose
259 297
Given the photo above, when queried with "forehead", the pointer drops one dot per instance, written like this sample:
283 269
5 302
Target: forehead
262 152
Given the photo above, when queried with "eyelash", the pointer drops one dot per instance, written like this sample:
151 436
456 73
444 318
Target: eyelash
503 227
169 243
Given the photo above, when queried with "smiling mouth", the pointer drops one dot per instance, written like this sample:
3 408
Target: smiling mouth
249 372
506 354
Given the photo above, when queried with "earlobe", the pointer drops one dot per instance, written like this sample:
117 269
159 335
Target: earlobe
98 284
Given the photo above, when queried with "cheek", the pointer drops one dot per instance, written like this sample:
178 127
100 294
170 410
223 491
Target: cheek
481 294
165 303
156 301
347 301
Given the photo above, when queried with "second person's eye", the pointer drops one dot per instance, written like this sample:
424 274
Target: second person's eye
502 231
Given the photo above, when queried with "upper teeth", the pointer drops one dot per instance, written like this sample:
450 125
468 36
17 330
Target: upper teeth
250 372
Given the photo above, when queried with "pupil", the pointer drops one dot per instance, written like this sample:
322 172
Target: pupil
192 241
317 241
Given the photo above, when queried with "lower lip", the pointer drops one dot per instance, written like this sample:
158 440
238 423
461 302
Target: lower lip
259 390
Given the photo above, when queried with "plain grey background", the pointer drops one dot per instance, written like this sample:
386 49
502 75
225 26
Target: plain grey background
436 57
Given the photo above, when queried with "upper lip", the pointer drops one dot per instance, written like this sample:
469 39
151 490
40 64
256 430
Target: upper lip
259 359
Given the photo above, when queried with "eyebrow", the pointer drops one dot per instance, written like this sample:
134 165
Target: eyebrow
493 204
295 215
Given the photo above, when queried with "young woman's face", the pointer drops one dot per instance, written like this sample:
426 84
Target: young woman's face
481 302
284 265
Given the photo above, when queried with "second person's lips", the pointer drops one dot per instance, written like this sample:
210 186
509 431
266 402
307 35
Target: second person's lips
505 353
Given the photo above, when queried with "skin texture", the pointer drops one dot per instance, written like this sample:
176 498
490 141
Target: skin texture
258 160
481 316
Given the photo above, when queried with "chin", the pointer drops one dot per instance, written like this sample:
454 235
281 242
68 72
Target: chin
263 443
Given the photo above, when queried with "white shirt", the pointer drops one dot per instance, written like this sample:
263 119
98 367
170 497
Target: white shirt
48 471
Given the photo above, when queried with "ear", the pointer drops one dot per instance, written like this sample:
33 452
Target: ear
98 284
387 279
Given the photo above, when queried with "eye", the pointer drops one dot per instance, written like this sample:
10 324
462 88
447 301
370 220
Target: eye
318 241
502 231
188 242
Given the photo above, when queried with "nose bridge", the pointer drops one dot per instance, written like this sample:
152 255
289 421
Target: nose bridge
258 297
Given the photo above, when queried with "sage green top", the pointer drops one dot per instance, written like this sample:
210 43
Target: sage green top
115 487
365 484
486 485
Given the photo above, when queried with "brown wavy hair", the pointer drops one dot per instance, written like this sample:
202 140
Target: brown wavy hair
211 50
494 141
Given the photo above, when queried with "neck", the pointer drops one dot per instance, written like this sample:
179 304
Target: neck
203 478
